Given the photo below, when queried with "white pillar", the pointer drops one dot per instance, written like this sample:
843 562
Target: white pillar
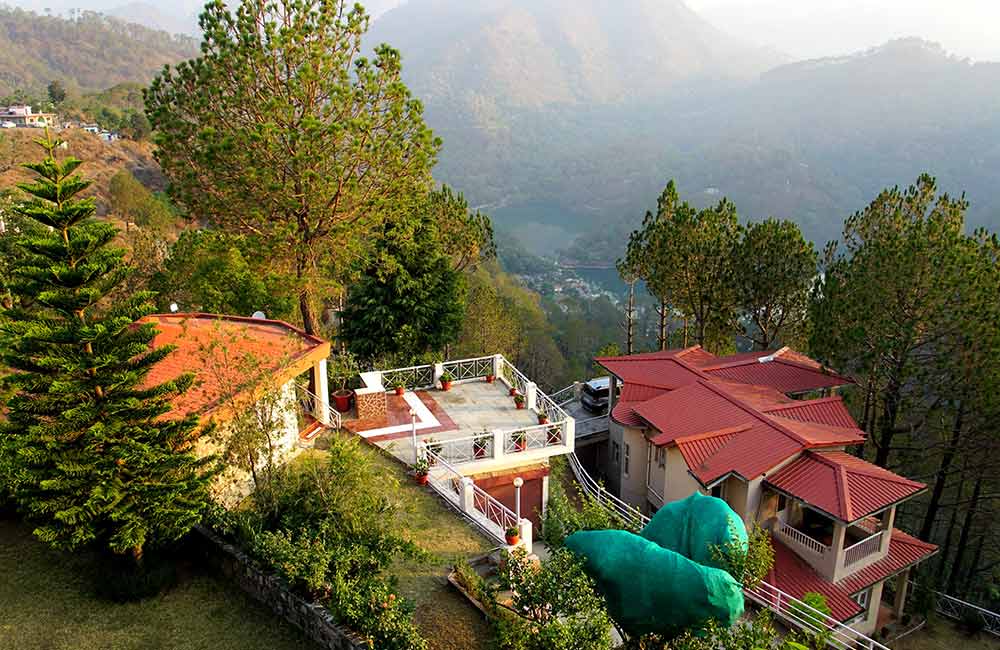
497 365
438 371
498 444
518 482
569 433
467 496
887 523
413 435
545 495
321 406
524 527
531 398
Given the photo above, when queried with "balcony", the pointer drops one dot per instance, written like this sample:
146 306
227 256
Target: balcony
814 540
475 426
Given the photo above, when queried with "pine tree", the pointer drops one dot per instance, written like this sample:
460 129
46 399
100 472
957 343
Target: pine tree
89 456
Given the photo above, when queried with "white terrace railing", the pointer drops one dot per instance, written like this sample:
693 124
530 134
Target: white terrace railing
464 369
310 403
799 540
564 396
411 377
513 377
486 512
863 549
457 451
794 611
608 501
517 441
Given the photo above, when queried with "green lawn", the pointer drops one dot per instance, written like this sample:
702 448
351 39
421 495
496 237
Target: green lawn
943 634
46 602
445 618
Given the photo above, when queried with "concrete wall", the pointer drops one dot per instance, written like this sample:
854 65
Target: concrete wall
613 468
633 485
312 618
679 482
657 477
870 621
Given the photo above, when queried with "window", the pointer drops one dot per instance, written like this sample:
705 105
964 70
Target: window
782 502
661 456
718 490
862 598
616 453
627 457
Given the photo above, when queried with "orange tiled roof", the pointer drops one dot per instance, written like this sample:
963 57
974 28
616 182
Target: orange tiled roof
229 355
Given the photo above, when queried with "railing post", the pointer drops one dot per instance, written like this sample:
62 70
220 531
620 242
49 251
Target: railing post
524 527
438 371
532 395
321 407
569 433
497 365
467 496
498 444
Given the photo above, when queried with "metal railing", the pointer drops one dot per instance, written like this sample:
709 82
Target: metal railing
571 389
865 548
517 441
610 502
590 426
309 401
798 613
445 479
513 377
960 610
499 516
463 369
465 450
801 540
411 377
544 404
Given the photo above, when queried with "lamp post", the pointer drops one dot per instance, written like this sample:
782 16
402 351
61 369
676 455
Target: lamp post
413 435
518 482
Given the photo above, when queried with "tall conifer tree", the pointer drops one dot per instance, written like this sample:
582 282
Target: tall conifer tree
88 454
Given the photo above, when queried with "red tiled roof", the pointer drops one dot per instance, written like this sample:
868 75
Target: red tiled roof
821 435
794 576
697 449
904 551
826 410
660 369
633 395
696 355
843 486
219 349
784 369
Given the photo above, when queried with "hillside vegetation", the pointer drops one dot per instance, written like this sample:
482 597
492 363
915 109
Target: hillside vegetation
88 51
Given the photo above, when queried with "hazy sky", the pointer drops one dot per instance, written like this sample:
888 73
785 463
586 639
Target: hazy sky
813 28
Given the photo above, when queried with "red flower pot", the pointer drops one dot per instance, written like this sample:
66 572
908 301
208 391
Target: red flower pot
445 385
342 400
519 405
543 419
400 390
512 539
421 479
513 391
489 379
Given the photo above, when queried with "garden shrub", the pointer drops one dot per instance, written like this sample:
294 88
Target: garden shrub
120 579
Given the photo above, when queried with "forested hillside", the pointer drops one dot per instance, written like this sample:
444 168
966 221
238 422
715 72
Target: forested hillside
561 135
88 51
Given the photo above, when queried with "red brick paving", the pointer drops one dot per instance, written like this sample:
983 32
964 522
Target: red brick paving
397 413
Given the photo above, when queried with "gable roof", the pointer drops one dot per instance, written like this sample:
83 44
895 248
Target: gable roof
663 369
843 486
825 410
218 349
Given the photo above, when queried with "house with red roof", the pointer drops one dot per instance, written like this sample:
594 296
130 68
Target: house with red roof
244 365
766 432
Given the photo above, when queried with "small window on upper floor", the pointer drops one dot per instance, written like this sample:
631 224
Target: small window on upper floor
615 453
661 456
719 490
782 502
627 458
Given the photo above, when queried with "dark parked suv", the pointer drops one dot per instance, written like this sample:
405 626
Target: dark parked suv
594 396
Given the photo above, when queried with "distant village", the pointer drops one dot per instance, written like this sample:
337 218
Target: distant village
20 116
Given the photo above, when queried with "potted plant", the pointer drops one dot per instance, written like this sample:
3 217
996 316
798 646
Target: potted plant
400 388
446 380
519 401
420 470
480 444
520 440
543 417
513 391
513 535
490 378
341 370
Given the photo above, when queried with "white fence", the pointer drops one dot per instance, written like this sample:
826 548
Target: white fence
311 404
960 610
798 613
802 541
411 377
464 369
610 502
517 441
857 552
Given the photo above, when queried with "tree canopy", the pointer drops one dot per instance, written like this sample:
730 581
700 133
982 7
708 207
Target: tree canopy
283 132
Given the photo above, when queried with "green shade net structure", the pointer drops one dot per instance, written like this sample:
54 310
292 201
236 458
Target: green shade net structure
665 580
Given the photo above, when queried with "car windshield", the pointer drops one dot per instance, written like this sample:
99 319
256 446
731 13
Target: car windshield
598 393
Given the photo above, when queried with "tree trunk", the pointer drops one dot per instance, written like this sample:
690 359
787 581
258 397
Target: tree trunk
942 474
661 336
890 412
946 549
630 320
308 317
963 540
977 556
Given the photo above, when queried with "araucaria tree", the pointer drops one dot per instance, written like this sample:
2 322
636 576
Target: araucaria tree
282 131
89 455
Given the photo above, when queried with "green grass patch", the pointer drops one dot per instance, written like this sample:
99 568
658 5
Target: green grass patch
47 601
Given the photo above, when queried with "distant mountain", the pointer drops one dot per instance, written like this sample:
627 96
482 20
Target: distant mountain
150 16
89 51
567 117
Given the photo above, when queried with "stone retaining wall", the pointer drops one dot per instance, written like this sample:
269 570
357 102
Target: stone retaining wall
312 618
